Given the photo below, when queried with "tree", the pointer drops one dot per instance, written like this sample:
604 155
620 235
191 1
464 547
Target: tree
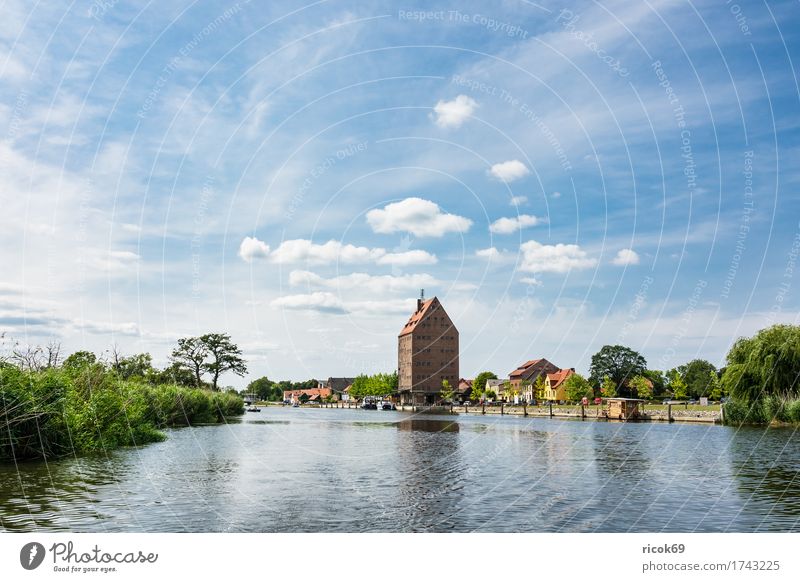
539 388
491 395
29 358
714 386
225 357
642 386
510 392
52 353
696 375
658 380
135 366
677 385
265 389
608 388
80 360
446 393
477 391
173 374
618 363
577 387
191 353
480 383
764 365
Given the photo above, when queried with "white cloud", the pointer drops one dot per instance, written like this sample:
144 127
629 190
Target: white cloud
626 257
513 224
407 258
417 216
454 113
560 258
519 200
302 250
509 171
360 287
319 301
364 282
532 281
555 195
252 248
490 253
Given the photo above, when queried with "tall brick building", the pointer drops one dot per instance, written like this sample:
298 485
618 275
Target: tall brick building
427 354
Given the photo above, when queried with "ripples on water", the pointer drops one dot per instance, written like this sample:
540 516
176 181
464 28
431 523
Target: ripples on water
288 470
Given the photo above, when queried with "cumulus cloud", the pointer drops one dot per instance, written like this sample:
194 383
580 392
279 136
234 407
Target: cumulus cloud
302 250
518 200
454 113
509 171
417 216
365 282
407 258
490 253
560 258
252 248
626 257
532 281
321 302
513 224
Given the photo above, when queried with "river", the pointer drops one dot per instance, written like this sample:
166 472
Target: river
309 470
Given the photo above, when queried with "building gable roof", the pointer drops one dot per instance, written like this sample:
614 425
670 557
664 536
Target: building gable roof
521 370
557 378
424 309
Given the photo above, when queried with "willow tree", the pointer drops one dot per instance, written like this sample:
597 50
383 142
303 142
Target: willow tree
764 365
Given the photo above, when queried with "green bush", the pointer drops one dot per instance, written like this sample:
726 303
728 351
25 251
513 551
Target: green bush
85 409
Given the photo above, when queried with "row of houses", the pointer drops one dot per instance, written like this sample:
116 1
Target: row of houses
521 383
336 389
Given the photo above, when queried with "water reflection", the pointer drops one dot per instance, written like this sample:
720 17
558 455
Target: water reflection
428 425
354 470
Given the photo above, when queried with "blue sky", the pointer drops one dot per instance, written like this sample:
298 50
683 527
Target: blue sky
561 175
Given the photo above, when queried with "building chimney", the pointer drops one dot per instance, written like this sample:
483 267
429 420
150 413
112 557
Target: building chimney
421 299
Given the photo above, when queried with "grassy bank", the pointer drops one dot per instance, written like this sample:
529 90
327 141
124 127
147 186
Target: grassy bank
766 410
54 413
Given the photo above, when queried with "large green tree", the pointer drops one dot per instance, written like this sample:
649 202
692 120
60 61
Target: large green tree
765 364
225 356
696 374
618 363
642 387
265 389
679 389
191 354
447 392
479 383
577 387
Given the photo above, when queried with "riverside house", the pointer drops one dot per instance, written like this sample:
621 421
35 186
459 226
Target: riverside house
464 389
525 376
338 387
554 388
427 354
497 386
311 394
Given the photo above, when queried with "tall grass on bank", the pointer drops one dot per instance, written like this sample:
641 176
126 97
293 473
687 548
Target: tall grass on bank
766 410
54 413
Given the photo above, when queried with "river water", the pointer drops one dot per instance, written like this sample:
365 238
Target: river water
292 470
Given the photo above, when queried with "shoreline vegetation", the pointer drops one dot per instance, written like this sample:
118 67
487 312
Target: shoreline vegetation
51 409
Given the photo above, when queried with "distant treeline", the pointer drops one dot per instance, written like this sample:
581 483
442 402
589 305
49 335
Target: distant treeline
51 408
272 391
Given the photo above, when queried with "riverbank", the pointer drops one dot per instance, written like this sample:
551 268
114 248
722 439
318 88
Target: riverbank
652 413
55 413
